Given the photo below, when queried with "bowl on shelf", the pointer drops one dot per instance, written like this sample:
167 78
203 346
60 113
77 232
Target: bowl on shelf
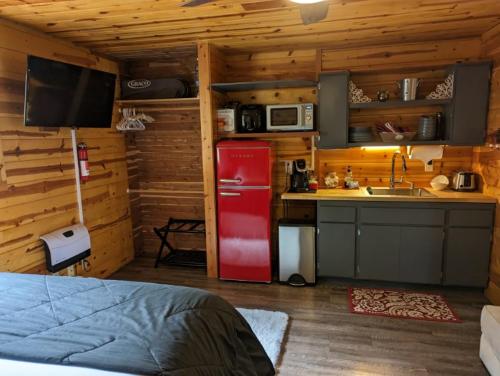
439 182
397 137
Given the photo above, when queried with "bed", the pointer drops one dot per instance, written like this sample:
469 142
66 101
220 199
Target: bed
122 327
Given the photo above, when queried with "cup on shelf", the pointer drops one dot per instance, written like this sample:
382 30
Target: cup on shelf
426 128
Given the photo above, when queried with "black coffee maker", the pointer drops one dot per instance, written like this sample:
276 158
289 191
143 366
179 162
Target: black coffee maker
299 180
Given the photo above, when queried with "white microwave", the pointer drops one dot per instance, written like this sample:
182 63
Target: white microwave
290 117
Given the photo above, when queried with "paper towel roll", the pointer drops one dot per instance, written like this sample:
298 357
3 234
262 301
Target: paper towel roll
427 153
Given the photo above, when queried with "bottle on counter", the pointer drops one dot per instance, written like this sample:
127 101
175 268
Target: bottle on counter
349 182
348 177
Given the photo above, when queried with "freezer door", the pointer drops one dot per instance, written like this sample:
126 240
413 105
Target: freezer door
244 166
244 228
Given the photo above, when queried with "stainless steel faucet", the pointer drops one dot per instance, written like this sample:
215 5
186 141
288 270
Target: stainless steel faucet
392 180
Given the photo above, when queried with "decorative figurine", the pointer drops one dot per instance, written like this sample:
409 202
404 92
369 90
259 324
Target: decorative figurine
382 95
332 180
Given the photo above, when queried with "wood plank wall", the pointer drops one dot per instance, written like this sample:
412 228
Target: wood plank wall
37 189
379 67
164 162
487 160
211 70
373 167
374 68
165 174
279 65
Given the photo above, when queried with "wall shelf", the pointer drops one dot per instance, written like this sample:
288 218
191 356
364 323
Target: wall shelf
397 143
269 134
132 102
262 85
401 103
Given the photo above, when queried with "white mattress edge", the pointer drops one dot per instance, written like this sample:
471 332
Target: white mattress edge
20 368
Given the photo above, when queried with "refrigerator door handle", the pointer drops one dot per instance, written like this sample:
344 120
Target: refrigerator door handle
230 180
230 194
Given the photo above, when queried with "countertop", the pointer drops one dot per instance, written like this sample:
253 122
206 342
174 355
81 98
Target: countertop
339 194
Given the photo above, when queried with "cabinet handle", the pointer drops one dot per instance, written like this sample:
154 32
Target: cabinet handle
359 232
230 194
230 180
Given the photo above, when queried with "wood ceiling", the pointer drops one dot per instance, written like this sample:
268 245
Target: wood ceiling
126 29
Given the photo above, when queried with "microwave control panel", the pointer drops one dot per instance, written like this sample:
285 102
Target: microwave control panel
309 116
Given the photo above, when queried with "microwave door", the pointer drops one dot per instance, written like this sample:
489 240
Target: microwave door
283 118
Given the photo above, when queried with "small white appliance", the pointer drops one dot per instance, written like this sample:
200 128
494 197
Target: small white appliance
226 119
290 117
463 181
66 246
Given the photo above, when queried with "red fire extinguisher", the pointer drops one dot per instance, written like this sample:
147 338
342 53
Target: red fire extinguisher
83 162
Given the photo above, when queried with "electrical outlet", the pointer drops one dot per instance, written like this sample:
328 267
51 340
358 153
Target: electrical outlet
71 271
288 167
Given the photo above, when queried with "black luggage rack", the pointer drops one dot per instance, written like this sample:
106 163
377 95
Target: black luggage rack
194 257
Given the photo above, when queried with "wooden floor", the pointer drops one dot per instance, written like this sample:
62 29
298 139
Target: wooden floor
325 339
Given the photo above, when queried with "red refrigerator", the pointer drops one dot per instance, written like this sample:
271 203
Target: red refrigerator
244 210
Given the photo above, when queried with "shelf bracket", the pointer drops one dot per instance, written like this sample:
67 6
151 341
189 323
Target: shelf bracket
313 152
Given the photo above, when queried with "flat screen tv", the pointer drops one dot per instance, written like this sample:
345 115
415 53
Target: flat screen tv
65 95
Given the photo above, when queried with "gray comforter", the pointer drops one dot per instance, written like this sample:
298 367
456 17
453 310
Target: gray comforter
130 327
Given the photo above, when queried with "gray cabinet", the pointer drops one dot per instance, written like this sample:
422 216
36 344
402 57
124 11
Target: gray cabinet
468 244
336 240
467 114
421 254
336 250
400 253
333 109
378 256
429 243
467 257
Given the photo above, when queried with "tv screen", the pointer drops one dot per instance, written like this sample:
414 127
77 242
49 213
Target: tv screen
65 95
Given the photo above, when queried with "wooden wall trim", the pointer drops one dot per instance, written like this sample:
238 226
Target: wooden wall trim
37 186
486 160
165 173
491 41
433 53
32 42
208 119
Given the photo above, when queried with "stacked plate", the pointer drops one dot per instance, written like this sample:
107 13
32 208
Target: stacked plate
360 134
427 128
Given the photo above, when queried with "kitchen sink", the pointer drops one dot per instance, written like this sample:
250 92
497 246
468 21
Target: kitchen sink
410 192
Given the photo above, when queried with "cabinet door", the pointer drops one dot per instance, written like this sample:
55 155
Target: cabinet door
421 254
336 249
468 113
378 252
333 109
467 256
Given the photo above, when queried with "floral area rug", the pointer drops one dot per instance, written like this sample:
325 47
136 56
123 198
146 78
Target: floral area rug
401 304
